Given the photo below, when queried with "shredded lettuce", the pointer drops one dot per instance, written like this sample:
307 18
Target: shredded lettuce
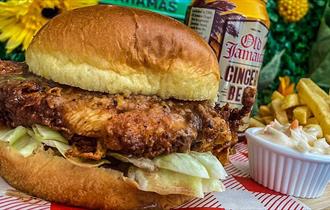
26 141
3 133
45 133
11 136
212 185
211 163
49 143
191 174
144 163
203 165
63 148
182 163
19 139
26 145
166 182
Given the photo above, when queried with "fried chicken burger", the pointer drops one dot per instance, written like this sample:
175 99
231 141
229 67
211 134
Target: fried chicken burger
115 109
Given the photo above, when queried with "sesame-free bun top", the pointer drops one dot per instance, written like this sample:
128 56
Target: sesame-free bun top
123 50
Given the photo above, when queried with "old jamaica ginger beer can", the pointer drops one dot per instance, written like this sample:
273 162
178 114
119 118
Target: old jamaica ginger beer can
237 32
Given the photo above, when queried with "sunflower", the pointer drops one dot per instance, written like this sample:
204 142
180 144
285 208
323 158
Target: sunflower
21 19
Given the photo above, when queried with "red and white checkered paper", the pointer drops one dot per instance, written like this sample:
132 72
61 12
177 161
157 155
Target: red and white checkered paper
241 193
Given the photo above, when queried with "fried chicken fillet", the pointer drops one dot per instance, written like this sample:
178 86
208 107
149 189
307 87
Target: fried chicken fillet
95 123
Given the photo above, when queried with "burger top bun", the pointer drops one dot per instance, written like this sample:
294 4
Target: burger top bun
122 50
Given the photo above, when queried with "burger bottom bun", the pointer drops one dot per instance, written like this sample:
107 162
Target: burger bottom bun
52 178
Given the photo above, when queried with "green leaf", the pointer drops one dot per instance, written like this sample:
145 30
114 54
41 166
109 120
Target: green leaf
273 17
269 72
16 55
319 61
320 2
322 73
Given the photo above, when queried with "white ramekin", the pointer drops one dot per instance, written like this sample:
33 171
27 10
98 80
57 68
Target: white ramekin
286 170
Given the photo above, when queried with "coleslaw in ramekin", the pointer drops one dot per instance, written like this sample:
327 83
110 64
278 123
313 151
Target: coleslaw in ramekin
289 159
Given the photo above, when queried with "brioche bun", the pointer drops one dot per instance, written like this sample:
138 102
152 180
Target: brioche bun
123 50
46 176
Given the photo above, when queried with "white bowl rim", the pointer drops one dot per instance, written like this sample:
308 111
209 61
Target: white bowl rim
287 151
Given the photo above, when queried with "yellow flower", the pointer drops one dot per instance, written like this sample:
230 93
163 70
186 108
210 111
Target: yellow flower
21 19
286 87
292 10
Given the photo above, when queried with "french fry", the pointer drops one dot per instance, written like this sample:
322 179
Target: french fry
257 117
264 110
301 101
255 123
267 119
315 127
276 95
289 101
271 108
312 120
316 103
270 105
302 113
280 114
316 89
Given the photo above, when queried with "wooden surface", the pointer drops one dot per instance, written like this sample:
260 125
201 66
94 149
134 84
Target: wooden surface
319 203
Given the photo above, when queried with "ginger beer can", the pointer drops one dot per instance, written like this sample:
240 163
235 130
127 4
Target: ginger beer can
237 32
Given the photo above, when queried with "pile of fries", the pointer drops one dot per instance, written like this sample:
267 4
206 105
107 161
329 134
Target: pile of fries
310 106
